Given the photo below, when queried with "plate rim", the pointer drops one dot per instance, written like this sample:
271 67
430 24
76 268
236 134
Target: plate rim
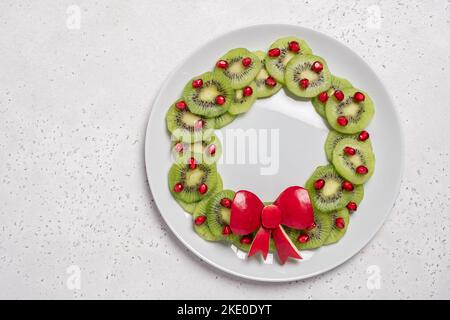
225 269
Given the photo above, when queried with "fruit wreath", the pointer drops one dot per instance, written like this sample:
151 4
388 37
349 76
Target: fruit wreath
300 218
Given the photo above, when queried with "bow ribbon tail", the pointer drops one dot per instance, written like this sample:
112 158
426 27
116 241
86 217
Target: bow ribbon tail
260 243
285 248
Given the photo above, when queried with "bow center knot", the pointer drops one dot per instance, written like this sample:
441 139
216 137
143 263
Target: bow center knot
271 217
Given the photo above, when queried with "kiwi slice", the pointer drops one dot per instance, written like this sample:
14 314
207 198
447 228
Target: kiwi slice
201 225
186 126
356 166
349 115
223 120
331 196
243 99
190 207
203 97
276 64
337 83
264 87
314 237
338 227
334 137
218 216
207 151
302 80
242 67
192 184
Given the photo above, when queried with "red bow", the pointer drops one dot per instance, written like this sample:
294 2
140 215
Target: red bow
292 209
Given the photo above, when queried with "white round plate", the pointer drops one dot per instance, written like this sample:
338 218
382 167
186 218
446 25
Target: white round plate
301 136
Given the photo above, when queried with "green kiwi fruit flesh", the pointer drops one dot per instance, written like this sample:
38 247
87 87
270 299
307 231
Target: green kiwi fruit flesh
223 120
347 164
202 100
190 207
185 183
188 127
238 74
218 216
331 196
276 66
316 235
358 114
334 137
242 103
337 233
357 194
299 69
263 89
207 151
337 83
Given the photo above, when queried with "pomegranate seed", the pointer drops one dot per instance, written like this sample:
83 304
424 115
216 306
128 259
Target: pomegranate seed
271 82
181 105
294 46
339 223
247 91
339 95
220 100
363 136
225 202
362 170
246 62
319 184
179 147
323 97
303 238
347 185
359 97
178 187
350 151
246 240
275 52
317 66
197 83
199 124
222 64
226 230
352 206
200 220
304 83
311 226
202 189
212 149
192 163
342 121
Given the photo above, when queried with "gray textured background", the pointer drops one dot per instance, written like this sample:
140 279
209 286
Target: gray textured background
74 104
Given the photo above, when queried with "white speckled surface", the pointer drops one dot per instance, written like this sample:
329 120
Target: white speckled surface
74 104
